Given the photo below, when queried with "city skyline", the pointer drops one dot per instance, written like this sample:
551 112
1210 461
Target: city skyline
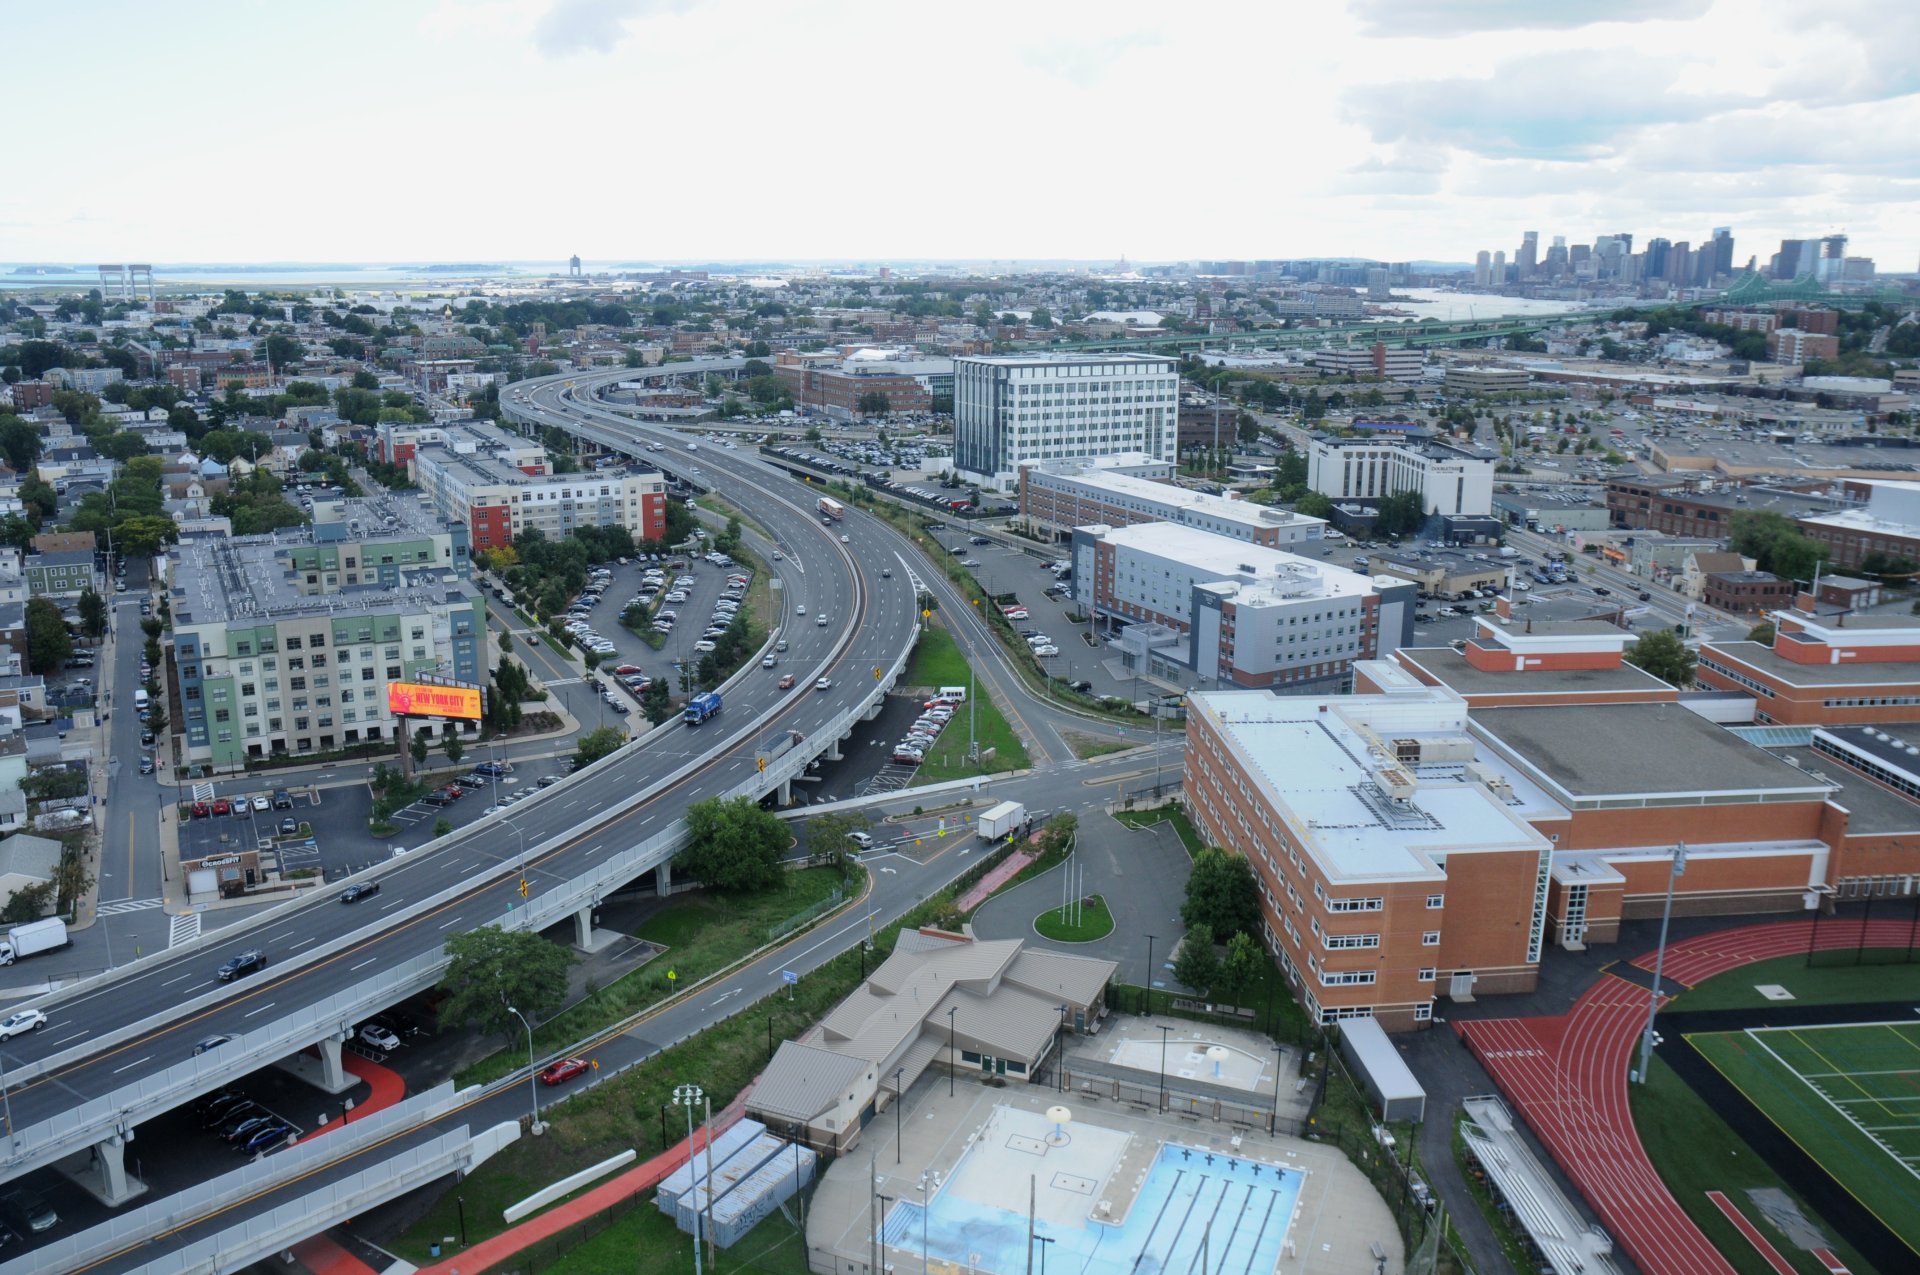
690 129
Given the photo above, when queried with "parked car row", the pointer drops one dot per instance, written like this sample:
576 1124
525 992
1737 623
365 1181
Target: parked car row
242 1123
934 716
257 804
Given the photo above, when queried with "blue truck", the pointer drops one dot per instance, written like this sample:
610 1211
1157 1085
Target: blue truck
701 707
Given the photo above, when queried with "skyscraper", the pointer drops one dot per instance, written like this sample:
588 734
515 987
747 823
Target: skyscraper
1721 261
1482 269
1657 250
1499 267
1679 271
1527 260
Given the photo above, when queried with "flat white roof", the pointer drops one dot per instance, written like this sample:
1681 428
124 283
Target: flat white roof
1315 766
1256 568
1240 511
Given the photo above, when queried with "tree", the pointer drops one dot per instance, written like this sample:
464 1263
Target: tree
49 644
1775 543
1241 968
657 701
829 837
1197 966
28 903
71 879
456 748
735 845
19 443
492 972
141 535
93 613
1221 894
596 744
442 826
418 747
1314 504
874 403
1664 655
282 350
1761 633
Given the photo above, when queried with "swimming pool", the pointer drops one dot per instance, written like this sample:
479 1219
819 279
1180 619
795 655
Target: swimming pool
1238 1209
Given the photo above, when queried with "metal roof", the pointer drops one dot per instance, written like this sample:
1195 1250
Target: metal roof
802 1081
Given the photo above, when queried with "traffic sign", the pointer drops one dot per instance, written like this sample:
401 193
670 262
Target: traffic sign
789 976
523 887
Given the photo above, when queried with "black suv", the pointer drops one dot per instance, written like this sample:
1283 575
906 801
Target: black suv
242 965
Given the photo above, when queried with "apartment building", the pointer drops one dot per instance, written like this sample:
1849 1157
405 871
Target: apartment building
1452 479
1059 495
1240 613
1797 345
395 442
65 574
495 501
286 643
1376 360
1010 408
1746 592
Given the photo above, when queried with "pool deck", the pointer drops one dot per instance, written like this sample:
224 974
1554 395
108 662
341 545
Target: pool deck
1339 1216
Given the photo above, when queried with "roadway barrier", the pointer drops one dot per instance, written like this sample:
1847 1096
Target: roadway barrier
203 1199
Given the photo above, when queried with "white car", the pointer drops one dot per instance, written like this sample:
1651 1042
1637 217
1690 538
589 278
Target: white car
801 609
846 540
379 1038
25 1021
1046 650
261 804
703 646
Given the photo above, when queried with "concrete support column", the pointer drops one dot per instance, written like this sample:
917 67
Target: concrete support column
873 711
333 1076
115 1186
663 879
786 792
833 752
583 928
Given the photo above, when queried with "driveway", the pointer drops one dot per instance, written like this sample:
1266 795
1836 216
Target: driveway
1143 877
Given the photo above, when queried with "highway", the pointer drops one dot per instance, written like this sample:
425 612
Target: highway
870 619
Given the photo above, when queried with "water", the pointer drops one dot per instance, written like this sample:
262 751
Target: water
1450 306
1239 1210
349 275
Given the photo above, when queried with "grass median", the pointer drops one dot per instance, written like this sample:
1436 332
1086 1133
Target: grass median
702 934
937 661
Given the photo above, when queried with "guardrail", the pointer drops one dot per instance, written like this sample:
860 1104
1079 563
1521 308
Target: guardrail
203 1199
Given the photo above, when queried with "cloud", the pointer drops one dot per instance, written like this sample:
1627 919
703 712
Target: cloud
1466 17
1403 171
1083 62
594 26
1551 105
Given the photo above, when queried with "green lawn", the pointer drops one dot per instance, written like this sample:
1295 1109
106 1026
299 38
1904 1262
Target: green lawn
1845 1095
1169 813
702 933
1695 1151
937 662
1094 922
1865 983
644 1241
1088 746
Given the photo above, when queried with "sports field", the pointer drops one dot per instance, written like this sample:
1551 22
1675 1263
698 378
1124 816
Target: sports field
1848 1095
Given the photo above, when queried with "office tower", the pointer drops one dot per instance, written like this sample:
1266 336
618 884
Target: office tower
1679 271
1528 259
1656 264
1499 267
1482 269
1557 258
1720 261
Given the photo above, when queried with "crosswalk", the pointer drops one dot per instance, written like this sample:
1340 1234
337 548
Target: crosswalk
183 929
121 906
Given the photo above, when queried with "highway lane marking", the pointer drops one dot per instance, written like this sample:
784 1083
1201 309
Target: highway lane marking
263 1009
129 854
183 978
303 942
738 754
452 921
61 1040
135 1063
724 995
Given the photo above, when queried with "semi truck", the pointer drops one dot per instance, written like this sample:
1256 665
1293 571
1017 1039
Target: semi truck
1000 820
831 510
701 707
33 938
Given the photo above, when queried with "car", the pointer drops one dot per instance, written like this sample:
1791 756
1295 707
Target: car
786 682
493 769
266 1136
861 839
978 540
202 809
629 668
1602 591
1046 650
26 1020
243 1132
238 1107
261 804
217 1101
211 1042
564 1070
768 662
969 562
822 620
359 890
282 799
1018 613
146 765
289 827
801 609
777 557
781 645
242 965
437 797
846 540
378 1037
26 1211
905 756
886 573
1645 595
222 807
822 684
704 645
547 781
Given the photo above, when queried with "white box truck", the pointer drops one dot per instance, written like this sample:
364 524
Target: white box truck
32 939
1002 819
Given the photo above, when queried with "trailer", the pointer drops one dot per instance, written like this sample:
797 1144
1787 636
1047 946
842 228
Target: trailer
831 510
33 938
1001 820
701 707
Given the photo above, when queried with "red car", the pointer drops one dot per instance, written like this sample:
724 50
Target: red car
201 810
629 668
564 1070
786 683
222 807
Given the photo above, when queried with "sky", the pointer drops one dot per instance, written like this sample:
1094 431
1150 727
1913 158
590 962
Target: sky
995 130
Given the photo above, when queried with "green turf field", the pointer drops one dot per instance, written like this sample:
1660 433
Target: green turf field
1848 1095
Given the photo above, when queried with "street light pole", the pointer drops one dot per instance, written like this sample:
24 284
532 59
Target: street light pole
897 1073
533 1078
953 1059
1059 1053
689 1096
1147 999
1165 1032
1674 874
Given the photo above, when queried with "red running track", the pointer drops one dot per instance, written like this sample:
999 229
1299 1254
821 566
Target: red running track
1568 1078
1760 1242
1691 960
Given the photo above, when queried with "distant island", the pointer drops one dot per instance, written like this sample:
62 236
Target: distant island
48 270
468 267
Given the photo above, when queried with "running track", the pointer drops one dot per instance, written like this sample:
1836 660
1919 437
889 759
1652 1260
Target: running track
1567 1076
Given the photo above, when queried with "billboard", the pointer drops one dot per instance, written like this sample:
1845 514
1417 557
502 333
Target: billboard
418 699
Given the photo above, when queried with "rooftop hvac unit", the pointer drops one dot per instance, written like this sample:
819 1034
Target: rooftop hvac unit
1397 782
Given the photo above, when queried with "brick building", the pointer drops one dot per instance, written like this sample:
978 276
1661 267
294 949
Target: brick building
1746 592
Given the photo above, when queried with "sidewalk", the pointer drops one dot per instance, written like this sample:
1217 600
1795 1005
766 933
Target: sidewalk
642 1177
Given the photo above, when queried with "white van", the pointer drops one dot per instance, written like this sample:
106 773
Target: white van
140 699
